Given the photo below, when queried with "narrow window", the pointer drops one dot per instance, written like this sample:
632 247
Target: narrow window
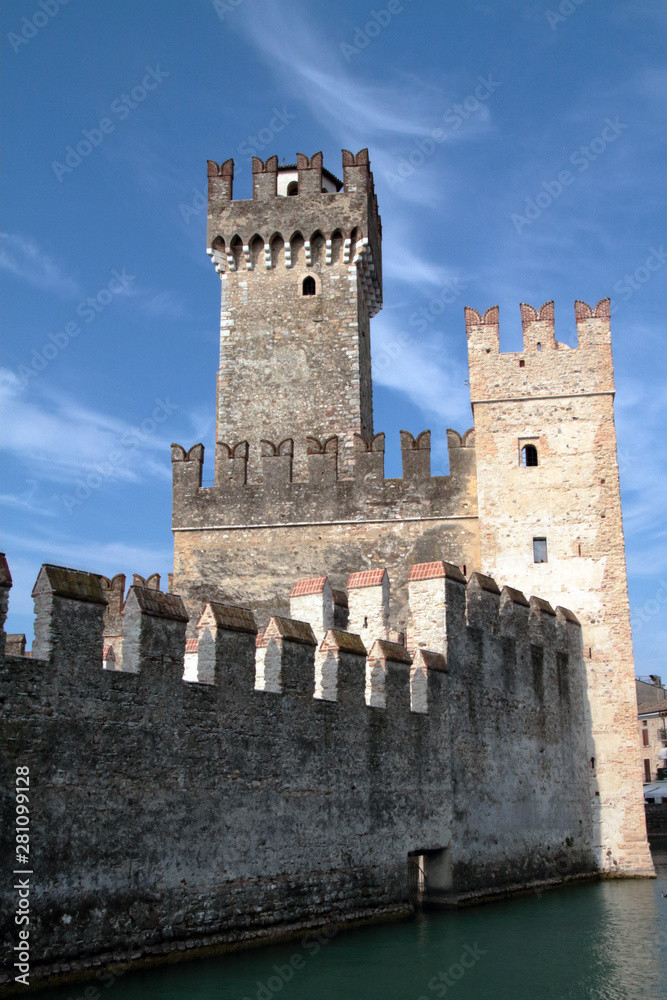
539 347
539 550
292 188
647 772
309 287
522 363
528 455
645 737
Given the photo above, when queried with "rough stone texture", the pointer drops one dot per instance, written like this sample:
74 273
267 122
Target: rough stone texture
15 644
169 815
295 366
244 544
656 817
561 400
368 603
312 600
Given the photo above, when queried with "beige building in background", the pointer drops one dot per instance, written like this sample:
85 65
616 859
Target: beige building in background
652 712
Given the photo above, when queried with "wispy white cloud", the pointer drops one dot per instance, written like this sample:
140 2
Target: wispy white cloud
415 364
27 552
354 109
59 439
23 257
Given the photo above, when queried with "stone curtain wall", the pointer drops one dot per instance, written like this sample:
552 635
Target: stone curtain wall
168 815
244 544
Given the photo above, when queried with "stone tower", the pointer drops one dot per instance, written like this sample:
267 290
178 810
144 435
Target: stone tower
299 483
294 329
550 522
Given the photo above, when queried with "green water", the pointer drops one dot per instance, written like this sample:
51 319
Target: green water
599 941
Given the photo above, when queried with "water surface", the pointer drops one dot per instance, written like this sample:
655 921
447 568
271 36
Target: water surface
595 941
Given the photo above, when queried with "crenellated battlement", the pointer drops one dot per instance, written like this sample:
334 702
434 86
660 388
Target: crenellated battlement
300 214
450 618
352 749
326 495
545 365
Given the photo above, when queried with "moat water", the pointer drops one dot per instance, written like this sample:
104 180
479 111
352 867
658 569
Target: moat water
593 941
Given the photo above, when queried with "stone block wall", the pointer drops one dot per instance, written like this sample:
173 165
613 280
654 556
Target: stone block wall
559 400
171 815
243 544
295 365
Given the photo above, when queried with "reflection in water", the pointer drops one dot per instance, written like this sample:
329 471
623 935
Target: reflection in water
598 941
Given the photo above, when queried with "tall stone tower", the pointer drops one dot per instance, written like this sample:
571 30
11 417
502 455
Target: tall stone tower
550 522
294 330
299 484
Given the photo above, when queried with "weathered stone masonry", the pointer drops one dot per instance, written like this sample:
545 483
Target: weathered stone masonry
309 491
169 815
204 774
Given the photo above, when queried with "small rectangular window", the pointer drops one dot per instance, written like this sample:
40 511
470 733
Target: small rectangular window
539 550
647 772
645 737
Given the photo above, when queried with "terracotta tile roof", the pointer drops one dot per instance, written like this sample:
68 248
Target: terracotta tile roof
436 571
366 578
478 581
651 707
191 645
304 587
287 628
159 604
347 642
382 649
227 617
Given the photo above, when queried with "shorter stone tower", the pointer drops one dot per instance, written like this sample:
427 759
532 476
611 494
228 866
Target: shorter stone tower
550 522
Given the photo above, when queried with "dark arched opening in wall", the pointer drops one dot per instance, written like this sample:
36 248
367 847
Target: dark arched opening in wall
529 456
292 188
309 287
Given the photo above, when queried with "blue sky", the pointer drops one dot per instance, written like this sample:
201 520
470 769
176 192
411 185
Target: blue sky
110 305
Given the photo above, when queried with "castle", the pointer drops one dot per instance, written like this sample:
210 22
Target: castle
335 682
